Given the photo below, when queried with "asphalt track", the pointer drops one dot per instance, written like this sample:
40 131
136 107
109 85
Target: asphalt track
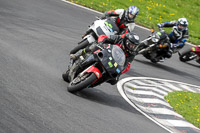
35 39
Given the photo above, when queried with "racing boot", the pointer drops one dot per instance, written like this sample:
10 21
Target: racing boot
81 52
86 33
65 76
162 59
78 54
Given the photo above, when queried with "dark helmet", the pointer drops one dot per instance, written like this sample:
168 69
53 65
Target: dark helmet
130 41
131 12
182 24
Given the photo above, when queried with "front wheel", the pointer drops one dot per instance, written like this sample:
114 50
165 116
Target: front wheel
140 48
81 82
65 76
83 44
187 56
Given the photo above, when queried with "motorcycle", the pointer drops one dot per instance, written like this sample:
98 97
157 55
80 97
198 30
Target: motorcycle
93 69
99 27
155 46
191 54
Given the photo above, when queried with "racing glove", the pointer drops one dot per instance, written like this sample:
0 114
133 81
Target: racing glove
160 25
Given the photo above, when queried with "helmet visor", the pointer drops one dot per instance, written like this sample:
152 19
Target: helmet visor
131 16
181 27
130 45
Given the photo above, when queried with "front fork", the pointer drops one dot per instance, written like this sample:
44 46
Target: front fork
79 64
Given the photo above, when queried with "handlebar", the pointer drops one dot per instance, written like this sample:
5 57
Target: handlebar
161 29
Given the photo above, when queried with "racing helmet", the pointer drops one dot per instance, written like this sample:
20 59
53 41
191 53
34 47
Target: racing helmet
182 24
131 40
131 13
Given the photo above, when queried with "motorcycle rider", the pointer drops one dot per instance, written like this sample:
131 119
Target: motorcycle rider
125 18
127 42
179 34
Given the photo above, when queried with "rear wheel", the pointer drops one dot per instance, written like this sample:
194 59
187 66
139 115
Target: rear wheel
187 56
154 60
81 82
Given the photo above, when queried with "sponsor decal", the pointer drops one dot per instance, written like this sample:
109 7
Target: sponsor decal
159 33
115 64
97 74
118 71
110 64
109 26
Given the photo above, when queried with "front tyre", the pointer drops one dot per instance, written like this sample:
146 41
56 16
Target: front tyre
83 44
187 56
81 82
65 76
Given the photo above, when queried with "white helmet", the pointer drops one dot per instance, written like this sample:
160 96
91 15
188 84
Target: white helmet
182 24
133 11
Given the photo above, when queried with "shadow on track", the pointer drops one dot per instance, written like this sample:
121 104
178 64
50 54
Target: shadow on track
98 96
168 69
191 64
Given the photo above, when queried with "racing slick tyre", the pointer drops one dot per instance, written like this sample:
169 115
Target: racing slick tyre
154 60
82 82
65 76
187 56
83 44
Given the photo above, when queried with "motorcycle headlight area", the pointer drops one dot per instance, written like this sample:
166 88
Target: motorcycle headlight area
118 55
155 38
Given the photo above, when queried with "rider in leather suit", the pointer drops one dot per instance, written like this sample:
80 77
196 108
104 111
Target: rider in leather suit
127 42
179 34
125 18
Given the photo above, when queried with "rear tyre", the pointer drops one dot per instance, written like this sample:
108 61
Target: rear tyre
186 56
154 60
80 83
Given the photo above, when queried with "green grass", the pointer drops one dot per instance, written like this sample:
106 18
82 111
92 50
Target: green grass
155 11
187 104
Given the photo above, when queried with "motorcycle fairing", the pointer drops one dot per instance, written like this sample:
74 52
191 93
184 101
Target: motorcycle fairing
93 69
109 63
196 49
105 27
90 38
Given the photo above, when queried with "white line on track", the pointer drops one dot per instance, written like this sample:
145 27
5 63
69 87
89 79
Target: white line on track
149 100
147 93
119 86
152 88
177 123
127 89
120 83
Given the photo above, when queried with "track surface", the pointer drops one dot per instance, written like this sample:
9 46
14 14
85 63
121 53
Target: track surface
35 39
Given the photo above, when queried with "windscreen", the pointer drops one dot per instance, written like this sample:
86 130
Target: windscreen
118 55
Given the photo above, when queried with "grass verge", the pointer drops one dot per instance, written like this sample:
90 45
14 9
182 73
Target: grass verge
187 104
153 12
